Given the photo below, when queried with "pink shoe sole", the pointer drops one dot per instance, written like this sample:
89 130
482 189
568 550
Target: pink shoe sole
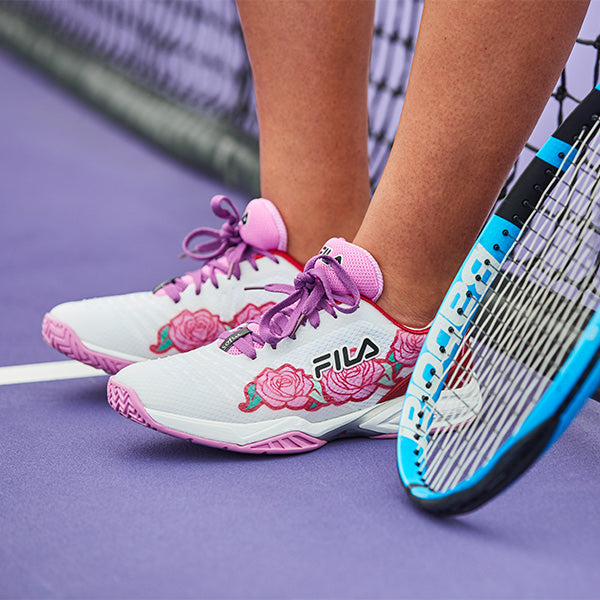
127 403
62 338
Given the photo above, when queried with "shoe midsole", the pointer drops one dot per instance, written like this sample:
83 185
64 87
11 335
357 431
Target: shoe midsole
247 433
381 419
113 353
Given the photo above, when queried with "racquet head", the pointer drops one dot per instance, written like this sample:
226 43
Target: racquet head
515 346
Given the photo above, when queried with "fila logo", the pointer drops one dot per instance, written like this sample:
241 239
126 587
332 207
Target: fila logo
340 358
328 251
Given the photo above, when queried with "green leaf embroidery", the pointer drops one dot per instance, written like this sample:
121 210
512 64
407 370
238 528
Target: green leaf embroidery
253 398
318 398
387 379
388 370
317 394
164 342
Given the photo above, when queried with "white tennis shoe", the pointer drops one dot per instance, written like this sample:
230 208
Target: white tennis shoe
325 362
189 311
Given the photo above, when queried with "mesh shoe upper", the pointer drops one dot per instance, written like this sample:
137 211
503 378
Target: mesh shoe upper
309 363
194 309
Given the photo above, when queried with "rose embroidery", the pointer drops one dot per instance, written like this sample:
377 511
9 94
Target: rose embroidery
290 387
284 387
354 384
249 312
400 361
406 347
190 330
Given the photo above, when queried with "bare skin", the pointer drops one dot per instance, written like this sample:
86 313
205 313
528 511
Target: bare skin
483 71
310 63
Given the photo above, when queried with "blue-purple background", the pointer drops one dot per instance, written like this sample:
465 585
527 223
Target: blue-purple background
93 505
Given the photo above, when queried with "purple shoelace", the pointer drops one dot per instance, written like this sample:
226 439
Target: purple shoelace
224 251
310 294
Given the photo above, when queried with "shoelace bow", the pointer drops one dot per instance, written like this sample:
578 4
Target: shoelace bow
224 251
310 294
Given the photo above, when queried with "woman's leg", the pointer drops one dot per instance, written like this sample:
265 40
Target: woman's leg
310 62
482 73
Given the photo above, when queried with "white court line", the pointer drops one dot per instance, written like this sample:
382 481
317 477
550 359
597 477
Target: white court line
49 371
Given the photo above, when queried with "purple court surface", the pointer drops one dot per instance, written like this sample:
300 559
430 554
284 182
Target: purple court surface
95 506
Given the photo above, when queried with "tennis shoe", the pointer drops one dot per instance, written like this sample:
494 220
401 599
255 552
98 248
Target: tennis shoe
325 362
188 311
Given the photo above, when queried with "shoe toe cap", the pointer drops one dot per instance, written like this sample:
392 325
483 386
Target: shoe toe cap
124 325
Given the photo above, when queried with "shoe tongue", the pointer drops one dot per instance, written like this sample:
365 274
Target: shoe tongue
358 263
261 226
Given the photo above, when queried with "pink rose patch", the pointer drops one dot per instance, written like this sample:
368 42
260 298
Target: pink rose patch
284 387
191 330
406 347
249 312
354 384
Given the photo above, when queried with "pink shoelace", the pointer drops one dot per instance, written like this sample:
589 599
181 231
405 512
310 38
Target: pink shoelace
224 251
310 294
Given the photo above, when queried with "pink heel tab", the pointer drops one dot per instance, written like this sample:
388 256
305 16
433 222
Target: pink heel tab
358 263
262 226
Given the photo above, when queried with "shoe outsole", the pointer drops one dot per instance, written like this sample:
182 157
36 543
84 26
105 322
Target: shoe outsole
127 403
61 337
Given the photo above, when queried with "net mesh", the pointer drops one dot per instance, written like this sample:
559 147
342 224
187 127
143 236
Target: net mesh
190 53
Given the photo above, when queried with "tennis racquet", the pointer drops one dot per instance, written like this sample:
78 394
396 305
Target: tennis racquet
517 337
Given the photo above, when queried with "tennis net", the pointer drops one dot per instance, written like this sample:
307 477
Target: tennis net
176 72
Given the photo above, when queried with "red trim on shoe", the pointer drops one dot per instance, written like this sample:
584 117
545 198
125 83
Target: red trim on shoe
285 256
398 390
404 327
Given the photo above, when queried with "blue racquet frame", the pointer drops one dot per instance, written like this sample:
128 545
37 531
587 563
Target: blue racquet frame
577 379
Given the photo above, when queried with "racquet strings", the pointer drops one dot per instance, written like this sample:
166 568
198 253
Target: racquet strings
525 327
